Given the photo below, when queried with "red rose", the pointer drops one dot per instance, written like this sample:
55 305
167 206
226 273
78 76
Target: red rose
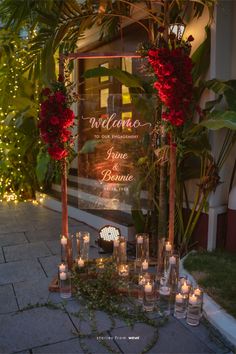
60 97
60 78
65 135
54 120
68 118
46 91
190 38
57 153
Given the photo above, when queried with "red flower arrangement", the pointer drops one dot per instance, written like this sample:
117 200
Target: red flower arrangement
56 118
174 84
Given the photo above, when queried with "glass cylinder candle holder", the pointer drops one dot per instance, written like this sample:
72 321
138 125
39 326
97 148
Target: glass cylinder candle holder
167 255
149 297
80 263
139 251
141 283
199 294
164 300
115 255
180 306
193 310
173 274
63 248
65 285
62 267
78 244
123 270
85 240
144 266
122 255
160 258
146 246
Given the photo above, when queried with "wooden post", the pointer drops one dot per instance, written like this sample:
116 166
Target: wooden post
172 190
64 207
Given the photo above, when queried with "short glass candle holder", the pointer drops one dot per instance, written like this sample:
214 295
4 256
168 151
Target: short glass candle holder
199 294
180 306
144 266
123 270
100 264
80 262
149 297
62 267
85 243
193 311
65 285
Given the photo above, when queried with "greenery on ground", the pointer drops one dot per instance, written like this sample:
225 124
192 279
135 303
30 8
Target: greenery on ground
216 273
103 289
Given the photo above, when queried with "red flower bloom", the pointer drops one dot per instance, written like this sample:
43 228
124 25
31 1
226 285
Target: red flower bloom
65 135
60 97
174 82
190 38
55 116
46 91
54 120
57 153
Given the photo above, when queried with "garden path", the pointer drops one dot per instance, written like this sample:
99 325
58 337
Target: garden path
29 255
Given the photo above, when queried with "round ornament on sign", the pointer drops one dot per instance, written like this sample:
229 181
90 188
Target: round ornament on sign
107 235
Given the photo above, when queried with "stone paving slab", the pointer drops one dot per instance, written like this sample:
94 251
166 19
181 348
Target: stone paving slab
172 339
43 235
33 328
54 247
50 265
12 239
84 323
7 299
20 271
32 292
2 260
208 335
26 251
74 347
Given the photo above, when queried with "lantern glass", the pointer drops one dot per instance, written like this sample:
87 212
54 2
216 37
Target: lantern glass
178 29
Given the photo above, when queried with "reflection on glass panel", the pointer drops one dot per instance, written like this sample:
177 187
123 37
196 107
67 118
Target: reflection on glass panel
125 95
104 93
126 116
104 78
127 64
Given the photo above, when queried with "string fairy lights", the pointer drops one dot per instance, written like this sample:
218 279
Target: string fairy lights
13 144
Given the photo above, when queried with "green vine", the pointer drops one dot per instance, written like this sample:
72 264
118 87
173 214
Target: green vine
103 289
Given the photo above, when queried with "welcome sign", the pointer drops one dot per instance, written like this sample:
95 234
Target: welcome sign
112 151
